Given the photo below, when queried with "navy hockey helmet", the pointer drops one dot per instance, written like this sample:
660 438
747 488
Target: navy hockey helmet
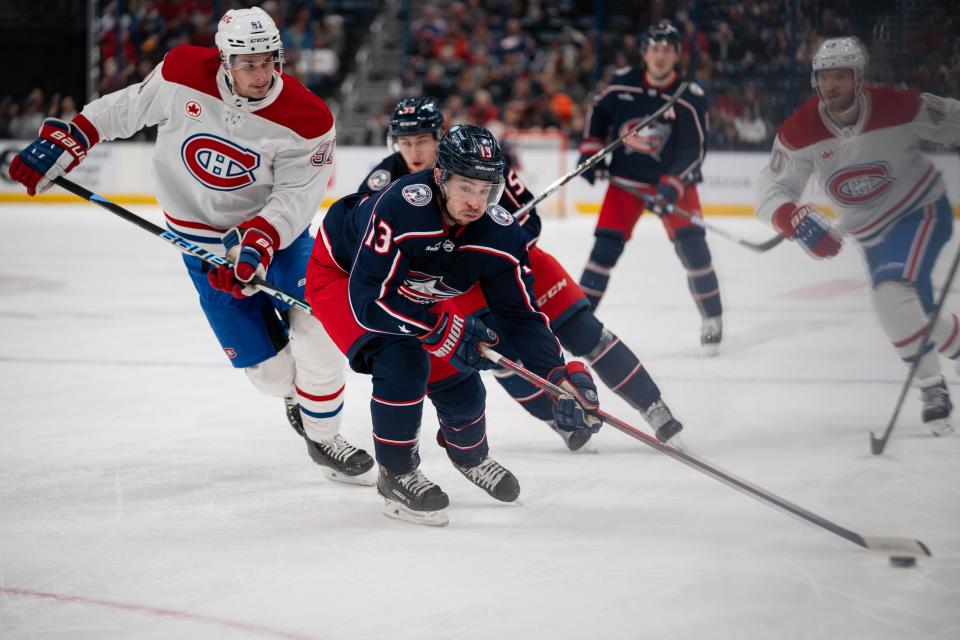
663 31
416 115
471 152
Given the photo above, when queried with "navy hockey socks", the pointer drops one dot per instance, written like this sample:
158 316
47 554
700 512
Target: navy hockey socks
693 252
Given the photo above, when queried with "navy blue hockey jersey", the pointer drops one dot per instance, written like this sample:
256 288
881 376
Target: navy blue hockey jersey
401 261
673 145
515 194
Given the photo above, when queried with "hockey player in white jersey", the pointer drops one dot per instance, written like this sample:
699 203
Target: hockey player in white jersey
242 160
862 143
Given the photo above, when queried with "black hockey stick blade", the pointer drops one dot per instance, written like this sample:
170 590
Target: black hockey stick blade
881 544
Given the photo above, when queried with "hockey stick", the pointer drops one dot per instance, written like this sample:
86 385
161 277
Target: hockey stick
893 546
759 247
180 242
877 445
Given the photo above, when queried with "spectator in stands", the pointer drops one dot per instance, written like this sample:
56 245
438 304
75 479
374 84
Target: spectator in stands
25 124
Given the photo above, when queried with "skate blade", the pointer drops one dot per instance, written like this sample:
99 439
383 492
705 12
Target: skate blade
398 511
710 350
677 443
365 479
940 427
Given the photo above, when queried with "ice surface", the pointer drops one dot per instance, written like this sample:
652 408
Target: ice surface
147 491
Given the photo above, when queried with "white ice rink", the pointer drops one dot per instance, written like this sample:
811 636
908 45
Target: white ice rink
147 491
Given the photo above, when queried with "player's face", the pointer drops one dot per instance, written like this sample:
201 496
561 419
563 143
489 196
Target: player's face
660 59
466 198
252 74
419 151
838 88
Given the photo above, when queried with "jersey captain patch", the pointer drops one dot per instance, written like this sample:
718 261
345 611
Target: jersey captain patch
219 164
856 185
419 195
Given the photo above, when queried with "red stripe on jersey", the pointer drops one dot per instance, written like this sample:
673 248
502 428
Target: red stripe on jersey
190 224
882 218
490 250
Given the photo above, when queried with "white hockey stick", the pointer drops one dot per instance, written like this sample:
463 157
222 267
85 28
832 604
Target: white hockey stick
892 546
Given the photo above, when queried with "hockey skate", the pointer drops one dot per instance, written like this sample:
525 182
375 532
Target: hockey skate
573 439
937 408
711 333
412 497
341 461
493 478
664 424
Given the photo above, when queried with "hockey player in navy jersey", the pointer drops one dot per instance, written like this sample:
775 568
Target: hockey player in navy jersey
384 278
863 145
242 160
414 130
662 160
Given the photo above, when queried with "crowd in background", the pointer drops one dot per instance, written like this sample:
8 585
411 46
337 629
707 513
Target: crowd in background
535 64
132 36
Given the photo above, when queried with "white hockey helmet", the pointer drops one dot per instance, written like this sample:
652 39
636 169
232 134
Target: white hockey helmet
244 31
840 53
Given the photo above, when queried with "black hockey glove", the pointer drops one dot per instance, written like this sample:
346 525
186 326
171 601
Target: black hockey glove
457 340
571 411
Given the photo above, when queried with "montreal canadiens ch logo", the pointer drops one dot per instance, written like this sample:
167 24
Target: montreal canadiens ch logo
859 184
219 164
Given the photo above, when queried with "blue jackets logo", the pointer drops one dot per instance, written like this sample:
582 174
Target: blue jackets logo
219 164
418 195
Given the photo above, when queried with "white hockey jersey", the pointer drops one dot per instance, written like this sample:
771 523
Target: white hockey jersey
221 159
873 171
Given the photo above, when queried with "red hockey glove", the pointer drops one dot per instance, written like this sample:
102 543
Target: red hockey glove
807 225
250 247
457 340
59 148
224 279
572 411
